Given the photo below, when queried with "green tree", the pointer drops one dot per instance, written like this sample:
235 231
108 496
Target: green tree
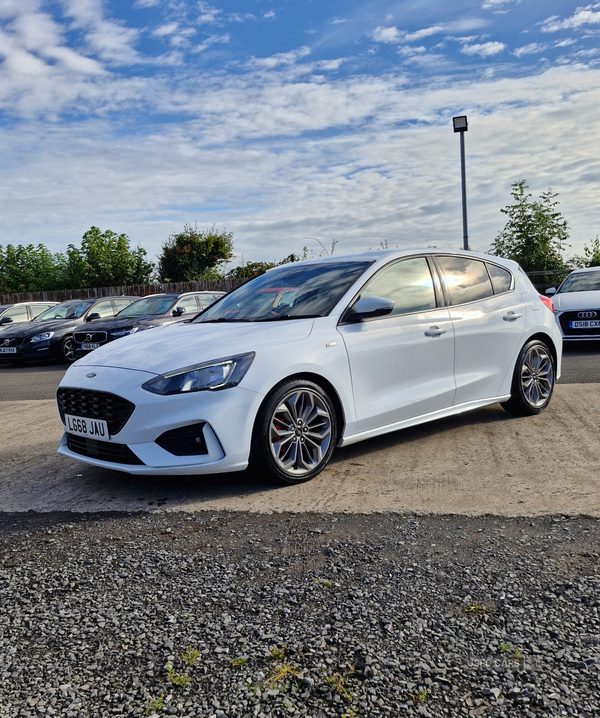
249 270
192 255
106 260
535 234
590 257
30 268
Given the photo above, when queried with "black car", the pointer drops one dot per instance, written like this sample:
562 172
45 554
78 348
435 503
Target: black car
22 312
146 313
51 333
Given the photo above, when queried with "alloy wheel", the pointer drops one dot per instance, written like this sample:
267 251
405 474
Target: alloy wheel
300 432
537 376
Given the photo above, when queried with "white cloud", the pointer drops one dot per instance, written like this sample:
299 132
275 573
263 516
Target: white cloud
112 41
283 58
269 15
486 49
497 4
330 64
164 30
583 16
386 34
208 13
211 41
531 49
392 35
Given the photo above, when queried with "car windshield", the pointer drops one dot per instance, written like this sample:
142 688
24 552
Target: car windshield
150 305
584 282
291 292
66 310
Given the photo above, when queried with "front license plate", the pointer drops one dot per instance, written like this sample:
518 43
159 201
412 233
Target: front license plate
89 347
82 426
8 350
585 324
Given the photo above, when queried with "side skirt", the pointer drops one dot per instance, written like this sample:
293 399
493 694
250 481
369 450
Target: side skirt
422 419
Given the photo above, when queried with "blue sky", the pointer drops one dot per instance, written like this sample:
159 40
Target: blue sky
290 120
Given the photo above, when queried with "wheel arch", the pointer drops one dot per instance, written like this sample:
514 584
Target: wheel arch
548 341
326 385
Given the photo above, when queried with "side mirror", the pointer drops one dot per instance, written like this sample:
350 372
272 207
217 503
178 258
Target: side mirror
92 316
369 308
551 292
6 320
178 311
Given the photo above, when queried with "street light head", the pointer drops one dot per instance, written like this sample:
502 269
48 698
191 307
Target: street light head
460 123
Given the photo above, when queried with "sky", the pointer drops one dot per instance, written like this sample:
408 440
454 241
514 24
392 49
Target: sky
294 123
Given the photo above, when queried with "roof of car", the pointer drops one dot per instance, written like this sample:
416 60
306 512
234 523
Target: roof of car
585 269
383 255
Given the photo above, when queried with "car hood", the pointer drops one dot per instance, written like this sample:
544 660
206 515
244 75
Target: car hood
30 329
570 301
174 346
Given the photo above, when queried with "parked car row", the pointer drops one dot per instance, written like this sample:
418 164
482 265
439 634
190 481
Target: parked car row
73 328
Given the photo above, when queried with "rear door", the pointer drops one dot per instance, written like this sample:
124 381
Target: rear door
401 364
489 320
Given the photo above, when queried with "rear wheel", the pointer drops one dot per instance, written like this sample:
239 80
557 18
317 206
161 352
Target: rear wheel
295 432
67 350
533 380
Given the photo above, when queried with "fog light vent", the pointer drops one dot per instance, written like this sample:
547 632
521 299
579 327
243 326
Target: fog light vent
185 441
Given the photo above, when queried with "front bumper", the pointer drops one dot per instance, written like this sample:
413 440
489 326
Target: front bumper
564 318
228 418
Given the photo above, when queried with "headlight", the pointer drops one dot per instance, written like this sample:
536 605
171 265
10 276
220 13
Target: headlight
43 337
124 332
212 375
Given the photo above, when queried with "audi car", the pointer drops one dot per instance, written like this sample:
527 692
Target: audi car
50 335
152 311
577 305
370 344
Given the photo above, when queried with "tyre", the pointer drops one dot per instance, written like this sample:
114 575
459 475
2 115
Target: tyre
67 350
533 380
295 432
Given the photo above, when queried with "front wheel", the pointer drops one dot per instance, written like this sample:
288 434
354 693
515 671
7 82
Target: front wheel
533 380
295 432
67 350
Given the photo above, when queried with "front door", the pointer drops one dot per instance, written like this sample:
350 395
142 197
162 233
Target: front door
402 365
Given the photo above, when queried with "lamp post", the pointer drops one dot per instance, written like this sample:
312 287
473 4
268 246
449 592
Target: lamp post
461 125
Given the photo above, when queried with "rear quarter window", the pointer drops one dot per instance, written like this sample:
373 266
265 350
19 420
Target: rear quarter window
466 280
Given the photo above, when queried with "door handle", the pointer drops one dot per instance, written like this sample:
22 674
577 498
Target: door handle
435 332
511 316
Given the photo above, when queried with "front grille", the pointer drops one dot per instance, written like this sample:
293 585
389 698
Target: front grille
103 450
567 317
15 342
90 337
95 405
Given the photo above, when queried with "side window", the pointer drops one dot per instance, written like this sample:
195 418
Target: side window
17 314
466 279
501 278
206 300
104 309
189 304
121 304
407 283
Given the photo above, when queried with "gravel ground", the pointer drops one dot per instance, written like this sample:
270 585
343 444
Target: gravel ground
236 614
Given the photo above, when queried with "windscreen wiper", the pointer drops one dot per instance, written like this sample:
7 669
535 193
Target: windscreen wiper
288 316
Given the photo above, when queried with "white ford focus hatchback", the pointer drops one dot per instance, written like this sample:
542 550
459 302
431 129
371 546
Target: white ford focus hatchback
310 356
